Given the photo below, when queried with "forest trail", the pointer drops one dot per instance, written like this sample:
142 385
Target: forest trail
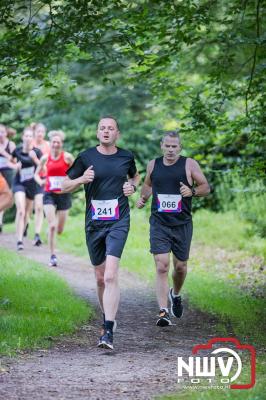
143 364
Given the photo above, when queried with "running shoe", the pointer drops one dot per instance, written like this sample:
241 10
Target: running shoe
176 304
53 261
37 240
25 233
164 318
103 328
20 246
106 341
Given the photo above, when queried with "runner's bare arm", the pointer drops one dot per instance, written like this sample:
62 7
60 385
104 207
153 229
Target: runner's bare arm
69 159
5 154
202 187
14 163
69 185
146 189
34 157
12 146
8 156
40 167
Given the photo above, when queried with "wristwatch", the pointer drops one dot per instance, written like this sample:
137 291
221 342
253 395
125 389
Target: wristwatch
134 187
193 190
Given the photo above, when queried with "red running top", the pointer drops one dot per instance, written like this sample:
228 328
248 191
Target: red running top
56 172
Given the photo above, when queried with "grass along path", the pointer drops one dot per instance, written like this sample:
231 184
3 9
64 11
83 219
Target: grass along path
35 305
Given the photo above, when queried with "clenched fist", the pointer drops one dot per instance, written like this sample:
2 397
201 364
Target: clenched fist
128 189
88 175
141 202
185 190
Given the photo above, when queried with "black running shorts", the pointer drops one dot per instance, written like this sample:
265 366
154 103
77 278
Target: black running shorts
29 188
177 239
39 189
61 201
107 240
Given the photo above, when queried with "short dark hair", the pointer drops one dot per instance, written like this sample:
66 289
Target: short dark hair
173 134
110 117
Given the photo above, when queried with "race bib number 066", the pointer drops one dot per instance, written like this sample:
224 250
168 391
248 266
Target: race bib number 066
171 203
105 210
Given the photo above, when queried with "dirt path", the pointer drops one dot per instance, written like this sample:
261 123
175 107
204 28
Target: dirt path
143 364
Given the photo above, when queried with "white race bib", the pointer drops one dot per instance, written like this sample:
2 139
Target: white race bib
55 182
171 203
105 210
3 162
26 174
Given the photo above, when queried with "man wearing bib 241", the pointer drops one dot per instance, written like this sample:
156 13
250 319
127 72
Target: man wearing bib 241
109 176
173 180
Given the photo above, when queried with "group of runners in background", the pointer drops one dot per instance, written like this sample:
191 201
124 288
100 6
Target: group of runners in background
109 176
33 172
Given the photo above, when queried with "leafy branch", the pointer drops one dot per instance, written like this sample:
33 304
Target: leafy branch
254 56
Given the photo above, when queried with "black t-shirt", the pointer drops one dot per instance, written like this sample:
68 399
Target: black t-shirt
28 166
111 172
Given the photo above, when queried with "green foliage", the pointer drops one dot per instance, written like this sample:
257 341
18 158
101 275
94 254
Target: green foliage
227 230
34 305
246 196
217 297
155 65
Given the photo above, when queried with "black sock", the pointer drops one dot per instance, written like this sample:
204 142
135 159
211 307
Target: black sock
103 318
109 326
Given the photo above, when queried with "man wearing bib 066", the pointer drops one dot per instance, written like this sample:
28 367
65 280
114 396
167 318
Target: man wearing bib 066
173 180
109 176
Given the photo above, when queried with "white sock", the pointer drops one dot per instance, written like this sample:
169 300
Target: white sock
175 295
165 309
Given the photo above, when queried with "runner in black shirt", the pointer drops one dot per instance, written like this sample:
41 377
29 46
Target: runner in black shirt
170 179
24 185
109 176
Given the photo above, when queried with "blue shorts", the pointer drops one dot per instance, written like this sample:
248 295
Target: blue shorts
107 240
164 238
28 187
61 201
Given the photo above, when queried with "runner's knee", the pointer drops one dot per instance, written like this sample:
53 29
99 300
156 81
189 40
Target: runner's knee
52 227
162 268
110 278
100 281
21 213
99 274
180 266
38 209
162 264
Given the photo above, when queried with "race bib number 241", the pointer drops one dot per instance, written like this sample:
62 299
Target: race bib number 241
105 210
